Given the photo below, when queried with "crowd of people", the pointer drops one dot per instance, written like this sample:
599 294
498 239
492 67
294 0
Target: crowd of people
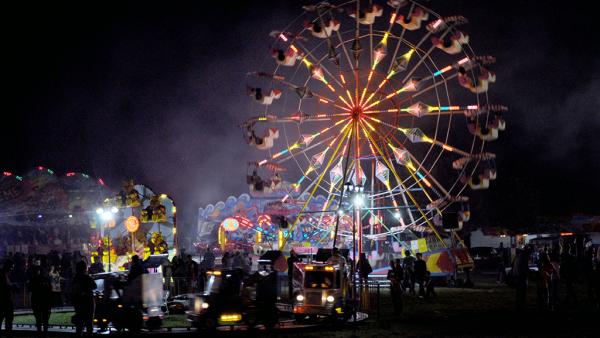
404 274
22 236
565 271
49 280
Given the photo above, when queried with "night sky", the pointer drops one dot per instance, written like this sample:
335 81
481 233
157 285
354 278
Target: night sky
155 92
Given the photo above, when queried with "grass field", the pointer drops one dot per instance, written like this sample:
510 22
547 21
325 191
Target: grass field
484 311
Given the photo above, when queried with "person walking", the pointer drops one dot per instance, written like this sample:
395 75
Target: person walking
520 273
55 280
136 268
41 298
395 286
420 273
429 286
83 298
364 268
544 277
409 272
568 273
7 311
290 263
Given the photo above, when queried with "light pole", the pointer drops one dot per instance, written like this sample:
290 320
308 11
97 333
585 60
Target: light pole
358 202
107 215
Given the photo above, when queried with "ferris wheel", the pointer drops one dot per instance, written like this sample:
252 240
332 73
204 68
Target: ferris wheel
389 98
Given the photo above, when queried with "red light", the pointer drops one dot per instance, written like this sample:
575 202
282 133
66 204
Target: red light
6 173
70 174
101 181
40 168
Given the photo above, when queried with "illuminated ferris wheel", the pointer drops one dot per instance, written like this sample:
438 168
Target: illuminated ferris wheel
389 98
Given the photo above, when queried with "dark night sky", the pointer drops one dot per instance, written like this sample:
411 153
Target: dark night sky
154 91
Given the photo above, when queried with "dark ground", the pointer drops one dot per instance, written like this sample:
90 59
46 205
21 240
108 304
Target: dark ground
484 311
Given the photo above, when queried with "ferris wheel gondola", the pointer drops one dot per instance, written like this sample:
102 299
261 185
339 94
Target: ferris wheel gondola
390 97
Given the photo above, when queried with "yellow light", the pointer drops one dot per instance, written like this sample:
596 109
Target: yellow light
217 273
174 251
258 237
309 267
343 78
329 268
330 87
280 239
174 231
349 96
393 18
120 306
174 209
294 48
163 196
306 62
447 147
262 118
235 317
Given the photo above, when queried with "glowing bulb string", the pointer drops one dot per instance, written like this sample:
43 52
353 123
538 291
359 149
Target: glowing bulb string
410 195
412 170
312 167
426 138
318 182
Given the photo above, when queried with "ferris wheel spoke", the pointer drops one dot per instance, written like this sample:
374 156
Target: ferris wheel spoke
317 71
400 39
379 53
416 135
422 177
408 88
305 142
427 53
300 90
313 167
410 195
401 156
399 182
347 133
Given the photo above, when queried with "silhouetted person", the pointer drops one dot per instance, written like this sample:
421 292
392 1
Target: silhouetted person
520 272
544 278
7 311
290 263
395 286
568 273
429 286
136 268
364 268
337 258
420 273
409 272
41 298
83 298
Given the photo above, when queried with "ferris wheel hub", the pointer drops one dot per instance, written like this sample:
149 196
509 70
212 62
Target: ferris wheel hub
356 112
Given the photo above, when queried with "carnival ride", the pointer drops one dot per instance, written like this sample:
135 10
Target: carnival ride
136 221
383 111
47 211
